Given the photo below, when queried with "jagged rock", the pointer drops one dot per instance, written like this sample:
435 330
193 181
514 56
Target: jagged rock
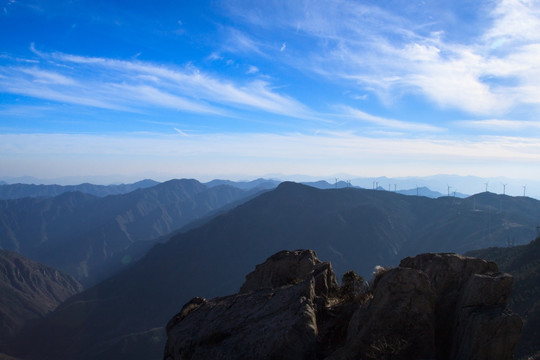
471 317
433 306
274 316
290 267
484 329
397 323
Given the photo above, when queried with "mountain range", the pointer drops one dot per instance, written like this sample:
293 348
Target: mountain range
123 317
18 191
92 237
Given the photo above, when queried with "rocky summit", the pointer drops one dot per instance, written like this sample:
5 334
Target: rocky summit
432 306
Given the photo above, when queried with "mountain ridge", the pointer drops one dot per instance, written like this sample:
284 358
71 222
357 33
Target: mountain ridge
28 291
77 232
347 226
19 191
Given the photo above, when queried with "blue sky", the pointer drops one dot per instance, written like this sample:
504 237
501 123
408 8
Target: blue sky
242 89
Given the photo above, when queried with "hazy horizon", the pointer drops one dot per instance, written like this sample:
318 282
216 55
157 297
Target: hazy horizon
442 183
220 89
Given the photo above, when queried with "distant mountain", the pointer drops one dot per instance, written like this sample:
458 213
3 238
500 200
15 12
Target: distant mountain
421 191
19 191
79 233
353 228
29 290
246 185
460 184
523 262
326 185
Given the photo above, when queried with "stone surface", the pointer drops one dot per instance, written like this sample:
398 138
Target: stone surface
273 317
470 308
290 267
433 306
398 321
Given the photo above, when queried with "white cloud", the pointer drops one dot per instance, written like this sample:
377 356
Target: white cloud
283 47
387 53
252 70
500 125
181 132
135 85
47 77
515 20
239 41
389 123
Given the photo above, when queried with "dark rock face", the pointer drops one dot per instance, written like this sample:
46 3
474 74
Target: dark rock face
288 268
433 306
472 297
397 322
234 327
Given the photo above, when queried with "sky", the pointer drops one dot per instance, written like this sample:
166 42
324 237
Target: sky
243 89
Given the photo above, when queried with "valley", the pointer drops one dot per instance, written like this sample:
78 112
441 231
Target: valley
123 317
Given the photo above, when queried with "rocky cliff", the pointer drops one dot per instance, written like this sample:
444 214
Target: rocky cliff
432 306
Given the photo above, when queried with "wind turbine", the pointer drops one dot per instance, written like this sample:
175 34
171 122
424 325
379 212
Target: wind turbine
449 187
486 183
524 188
504 189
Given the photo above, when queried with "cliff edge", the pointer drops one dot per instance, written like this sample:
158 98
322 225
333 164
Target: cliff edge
432 306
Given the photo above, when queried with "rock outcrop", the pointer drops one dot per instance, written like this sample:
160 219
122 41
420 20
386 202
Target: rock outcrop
433 306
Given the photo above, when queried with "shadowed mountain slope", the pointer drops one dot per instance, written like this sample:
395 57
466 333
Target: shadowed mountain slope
79 233
29 290
353 228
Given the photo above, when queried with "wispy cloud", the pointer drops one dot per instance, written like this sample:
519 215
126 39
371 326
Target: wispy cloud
500 125
389 123
488 72
134 85
252 70
181 132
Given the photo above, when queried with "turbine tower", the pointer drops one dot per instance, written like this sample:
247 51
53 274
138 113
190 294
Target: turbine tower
486 183
504 189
